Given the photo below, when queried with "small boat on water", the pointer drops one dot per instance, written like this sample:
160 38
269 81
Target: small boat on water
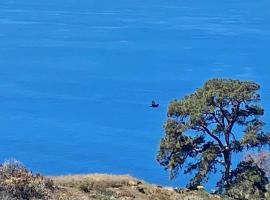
154 104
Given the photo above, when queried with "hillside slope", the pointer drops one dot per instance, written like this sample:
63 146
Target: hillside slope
122 187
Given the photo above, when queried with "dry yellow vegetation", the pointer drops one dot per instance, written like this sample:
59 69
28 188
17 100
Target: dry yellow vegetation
18 183
119 187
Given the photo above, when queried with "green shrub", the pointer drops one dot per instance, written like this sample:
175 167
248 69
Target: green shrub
248 182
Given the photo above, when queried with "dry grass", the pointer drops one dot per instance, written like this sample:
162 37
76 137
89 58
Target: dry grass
17 183
96 180
123 187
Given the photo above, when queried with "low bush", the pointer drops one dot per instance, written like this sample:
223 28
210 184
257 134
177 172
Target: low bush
16 182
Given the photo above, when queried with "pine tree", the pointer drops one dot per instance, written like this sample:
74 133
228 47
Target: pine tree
205 128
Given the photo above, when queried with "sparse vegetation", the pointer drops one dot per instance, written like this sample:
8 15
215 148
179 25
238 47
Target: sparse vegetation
123 187
16 182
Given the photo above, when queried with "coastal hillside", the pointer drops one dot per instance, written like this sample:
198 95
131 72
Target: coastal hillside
19 183
122 187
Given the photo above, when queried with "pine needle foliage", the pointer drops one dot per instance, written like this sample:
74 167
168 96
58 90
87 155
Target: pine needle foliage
205 128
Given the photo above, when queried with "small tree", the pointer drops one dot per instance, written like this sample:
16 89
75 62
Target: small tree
248 181
204 128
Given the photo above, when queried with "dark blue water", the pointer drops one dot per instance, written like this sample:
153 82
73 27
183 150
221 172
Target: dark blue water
77 76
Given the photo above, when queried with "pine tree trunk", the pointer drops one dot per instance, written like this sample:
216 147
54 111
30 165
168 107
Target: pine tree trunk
227 159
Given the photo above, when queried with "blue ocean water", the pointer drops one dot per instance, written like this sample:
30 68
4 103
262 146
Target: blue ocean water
77 76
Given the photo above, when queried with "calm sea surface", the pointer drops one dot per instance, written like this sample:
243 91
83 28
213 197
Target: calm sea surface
77 76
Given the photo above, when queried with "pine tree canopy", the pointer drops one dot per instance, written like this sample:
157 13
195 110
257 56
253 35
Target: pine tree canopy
203 129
